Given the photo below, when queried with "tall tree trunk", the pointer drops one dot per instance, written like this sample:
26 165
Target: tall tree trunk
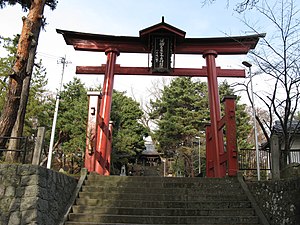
22 68
10 109
17 131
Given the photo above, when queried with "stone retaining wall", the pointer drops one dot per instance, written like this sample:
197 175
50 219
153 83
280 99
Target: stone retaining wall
279 200
33 195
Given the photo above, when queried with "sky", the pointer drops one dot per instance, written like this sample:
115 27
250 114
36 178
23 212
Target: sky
126 18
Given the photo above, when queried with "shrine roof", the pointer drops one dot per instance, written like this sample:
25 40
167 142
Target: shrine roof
162 28
150 153
130 44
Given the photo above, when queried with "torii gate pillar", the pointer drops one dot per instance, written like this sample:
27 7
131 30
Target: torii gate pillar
103 120
215 112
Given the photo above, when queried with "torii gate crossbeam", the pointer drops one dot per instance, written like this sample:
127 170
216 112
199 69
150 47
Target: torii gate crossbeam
187 72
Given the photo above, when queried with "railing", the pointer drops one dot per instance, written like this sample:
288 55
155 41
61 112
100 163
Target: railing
294 156
22 150
247 163
247 159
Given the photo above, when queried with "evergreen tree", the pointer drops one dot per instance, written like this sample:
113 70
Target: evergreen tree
6 63
26 4
71 126
40 103
128 132
13 111
38 107
39 111
180 114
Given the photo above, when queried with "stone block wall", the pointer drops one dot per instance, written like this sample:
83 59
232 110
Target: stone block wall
279 200
33 195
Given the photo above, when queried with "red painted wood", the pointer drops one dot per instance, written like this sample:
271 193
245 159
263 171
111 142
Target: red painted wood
105 109
109 149
215 113
166 28
127 44
231 136
228 159
210 172
188 72
181 49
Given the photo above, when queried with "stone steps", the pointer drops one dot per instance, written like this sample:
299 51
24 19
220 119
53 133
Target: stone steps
159 212
193 191
156 200
164 204
162 197
146 219
98 223
159 181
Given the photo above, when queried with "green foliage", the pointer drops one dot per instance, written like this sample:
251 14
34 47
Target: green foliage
128 133
6 63
180 114
71 122
26 4
10 45
39 110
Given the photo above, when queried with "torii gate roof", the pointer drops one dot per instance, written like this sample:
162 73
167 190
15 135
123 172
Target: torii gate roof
129 44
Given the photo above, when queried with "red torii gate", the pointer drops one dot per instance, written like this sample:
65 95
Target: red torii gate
162 41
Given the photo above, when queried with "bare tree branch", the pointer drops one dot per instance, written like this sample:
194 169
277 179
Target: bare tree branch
277 59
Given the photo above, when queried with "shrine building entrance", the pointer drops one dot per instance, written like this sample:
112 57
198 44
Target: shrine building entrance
161 42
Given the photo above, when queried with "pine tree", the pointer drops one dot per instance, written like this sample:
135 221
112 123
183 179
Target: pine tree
39 99
6 63
180 114
26 4
70 132
16 99
128 132
40 103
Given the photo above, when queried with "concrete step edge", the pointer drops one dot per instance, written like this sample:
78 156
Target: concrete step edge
96 223
166 219
163 212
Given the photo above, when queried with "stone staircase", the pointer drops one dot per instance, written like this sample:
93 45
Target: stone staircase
156 200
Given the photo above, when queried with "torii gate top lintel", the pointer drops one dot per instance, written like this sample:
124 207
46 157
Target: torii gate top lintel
162 28
130 44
